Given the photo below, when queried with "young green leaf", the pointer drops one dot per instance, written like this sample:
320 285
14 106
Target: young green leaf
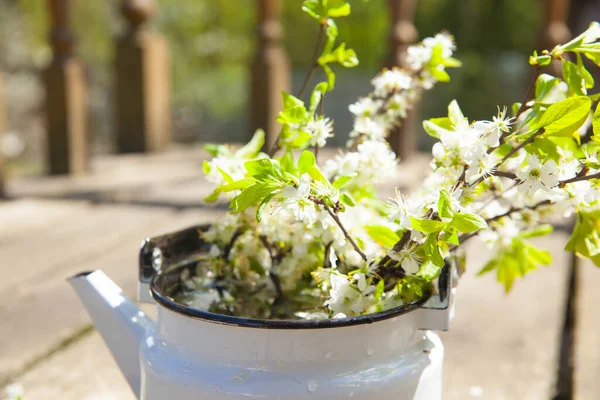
306 162
294 111
565 117
427 225
253 147
435 127
445 205
455 114
585 239
342 180
382 235
347 199
262 205
464 222
432 250
316 96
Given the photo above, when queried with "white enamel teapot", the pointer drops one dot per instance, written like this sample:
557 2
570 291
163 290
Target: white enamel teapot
194 354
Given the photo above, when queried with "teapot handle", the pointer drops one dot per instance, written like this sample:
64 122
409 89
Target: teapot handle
438 311
161 253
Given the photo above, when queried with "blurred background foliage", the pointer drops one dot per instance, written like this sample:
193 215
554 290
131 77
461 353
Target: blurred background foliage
212 44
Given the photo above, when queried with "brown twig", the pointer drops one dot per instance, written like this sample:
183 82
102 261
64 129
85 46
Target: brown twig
272 274
315 64
337 220
579 178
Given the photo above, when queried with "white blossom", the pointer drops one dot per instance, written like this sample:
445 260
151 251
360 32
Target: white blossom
296 202
320 130
390 81
366 107
535 175
402 208
408 259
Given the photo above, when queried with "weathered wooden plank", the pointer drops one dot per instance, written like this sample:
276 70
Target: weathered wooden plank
19 218
587 334
72 240
42 311
506 346
83 371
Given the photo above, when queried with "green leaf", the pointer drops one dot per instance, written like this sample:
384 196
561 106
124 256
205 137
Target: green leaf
330 77
577 77
337 8
342 180
317 175
316 96
214 196
543 85
313 8
347 199
596 122
432 250
455 114
321 9
541 230
237 185
565 117
253 147
288 164
214 149
251 195
453 238
206 167
262 205
464 222
306 162
427 225
573 78
294 111
516 260
225 175
445 205
341 55
585 239
331 32
265 168
440 74
379 289
435 127
382 235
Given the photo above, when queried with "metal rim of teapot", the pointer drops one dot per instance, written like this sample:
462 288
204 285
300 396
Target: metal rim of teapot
260 323
160 255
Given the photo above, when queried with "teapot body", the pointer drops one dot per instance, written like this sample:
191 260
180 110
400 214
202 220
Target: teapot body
190 358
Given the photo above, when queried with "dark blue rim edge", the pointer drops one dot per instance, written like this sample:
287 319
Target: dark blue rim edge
281 323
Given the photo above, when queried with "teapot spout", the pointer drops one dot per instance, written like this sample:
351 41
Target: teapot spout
120 322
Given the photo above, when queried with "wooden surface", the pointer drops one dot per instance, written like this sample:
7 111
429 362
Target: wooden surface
587 334
499 346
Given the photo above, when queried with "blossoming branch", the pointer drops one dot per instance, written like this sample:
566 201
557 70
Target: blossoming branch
314 241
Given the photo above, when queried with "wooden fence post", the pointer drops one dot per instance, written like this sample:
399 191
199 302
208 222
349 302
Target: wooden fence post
66 98
2 127
270 71
404 139
555 29
143 83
